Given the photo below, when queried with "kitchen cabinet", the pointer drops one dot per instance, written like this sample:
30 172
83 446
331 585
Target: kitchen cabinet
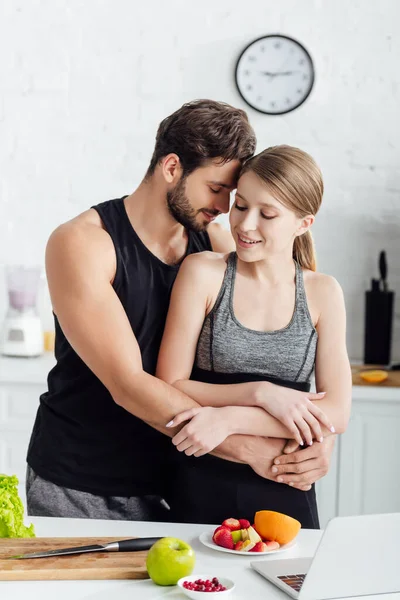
365 467
22 381
364 475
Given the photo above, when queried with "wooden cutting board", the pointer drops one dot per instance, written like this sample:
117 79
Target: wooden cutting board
96 565
393 379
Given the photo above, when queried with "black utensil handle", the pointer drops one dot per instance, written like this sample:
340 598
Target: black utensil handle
137 544
383 265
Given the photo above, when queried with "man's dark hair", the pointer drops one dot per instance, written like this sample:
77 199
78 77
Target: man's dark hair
202 130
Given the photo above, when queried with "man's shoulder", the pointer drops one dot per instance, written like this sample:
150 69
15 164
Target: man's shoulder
221 239
87 223
82 239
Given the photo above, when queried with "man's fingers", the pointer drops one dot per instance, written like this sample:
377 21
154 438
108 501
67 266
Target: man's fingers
302 488
299 455
302 479
300 467
291 446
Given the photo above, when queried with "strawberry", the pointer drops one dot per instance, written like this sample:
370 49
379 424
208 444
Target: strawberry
244 523
260 547
223 538
219 528
232 524
239 545
272 545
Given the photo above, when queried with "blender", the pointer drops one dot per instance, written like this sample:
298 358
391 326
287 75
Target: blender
22 332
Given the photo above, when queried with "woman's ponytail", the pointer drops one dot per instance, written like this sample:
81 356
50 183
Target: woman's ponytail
304 252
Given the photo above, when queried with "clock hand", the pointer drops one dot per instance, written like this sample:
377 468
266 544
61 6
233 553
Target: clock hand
269 74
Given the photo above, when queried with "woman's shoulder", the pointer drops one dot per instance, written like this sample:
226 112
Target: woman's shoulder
324 293
321 283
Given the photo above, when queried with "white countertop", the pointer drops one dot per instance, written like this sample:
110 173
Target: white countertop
249 585
26 370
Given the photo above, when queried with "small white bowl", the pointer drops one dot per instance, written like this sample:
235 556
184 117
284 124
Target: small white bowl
228 583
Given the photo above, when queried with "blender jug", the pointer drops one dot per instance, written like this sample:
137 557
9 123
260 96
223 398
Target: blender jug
22 333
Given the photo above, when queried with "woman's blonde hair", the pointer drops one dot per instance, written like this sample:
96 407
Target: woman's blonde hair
293 178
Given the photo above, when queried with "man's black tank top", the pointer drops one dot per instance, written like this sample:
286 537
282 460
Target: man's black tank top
81 438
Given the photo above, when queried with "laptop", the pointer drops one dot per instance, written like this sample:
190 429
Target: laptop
357 556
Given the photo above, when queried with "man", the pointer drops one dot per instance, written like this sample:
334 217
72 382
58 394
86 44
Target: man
99 447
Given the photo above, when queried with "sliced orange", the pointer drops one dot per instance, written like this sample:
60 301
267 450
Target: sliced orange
275 526
374 375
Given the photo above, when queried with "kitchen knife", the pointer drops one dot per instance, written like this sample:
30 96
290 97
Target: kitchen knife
383 270
120 546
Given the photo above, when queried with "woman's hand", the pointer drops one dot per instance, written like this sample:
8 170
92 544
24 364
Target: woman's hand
295 410
207 428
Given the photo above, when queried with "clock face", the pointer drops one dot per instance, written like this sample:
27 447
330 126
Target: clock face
274 74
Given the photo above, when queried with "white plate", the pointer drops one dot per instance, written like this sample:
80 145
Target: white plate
206 540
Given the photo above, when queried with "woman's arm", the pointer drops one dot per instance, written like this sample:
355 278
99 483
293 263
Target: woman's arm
333 375
332 366
193 294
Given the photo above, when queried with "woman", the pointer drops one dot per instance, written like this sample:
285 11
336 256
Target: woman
244 328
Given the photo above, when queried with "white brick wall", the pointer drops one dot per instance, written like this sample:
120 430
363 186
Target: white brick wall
83 85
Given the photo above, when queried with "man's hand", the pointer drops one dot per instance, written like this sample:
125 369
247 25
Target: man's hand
301 468
259 453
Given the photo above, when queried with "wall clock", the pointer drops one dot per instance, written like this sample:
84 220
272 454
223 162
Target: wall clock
274 74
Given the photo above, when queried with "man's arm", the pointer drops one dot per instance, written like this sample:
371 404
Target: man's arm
80 267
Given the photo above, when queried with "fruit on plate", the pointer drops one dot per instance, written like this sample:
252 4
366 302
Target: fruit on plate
275 526
247 546
253 535
220 527
260 547
272 545
245 534
244 523
168 560
232 524
223 537
239 545
236 535
374 375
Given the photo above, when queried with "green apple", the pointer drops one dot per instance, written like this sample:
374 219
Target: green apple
236 535
168 560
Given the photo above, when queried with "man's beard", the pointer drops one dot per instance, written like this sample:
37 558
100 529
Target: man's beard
181 209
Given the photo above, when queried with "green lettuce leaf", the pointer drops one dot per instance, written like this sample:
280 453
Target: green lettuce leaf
12 510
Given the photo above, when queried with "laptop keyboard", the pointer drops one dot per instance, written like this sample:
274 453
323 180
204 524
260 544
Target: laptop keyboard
295 581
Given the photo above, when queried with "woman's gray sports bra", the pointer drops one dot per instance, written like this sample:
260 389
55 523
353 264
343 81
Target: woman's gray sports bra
226 346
